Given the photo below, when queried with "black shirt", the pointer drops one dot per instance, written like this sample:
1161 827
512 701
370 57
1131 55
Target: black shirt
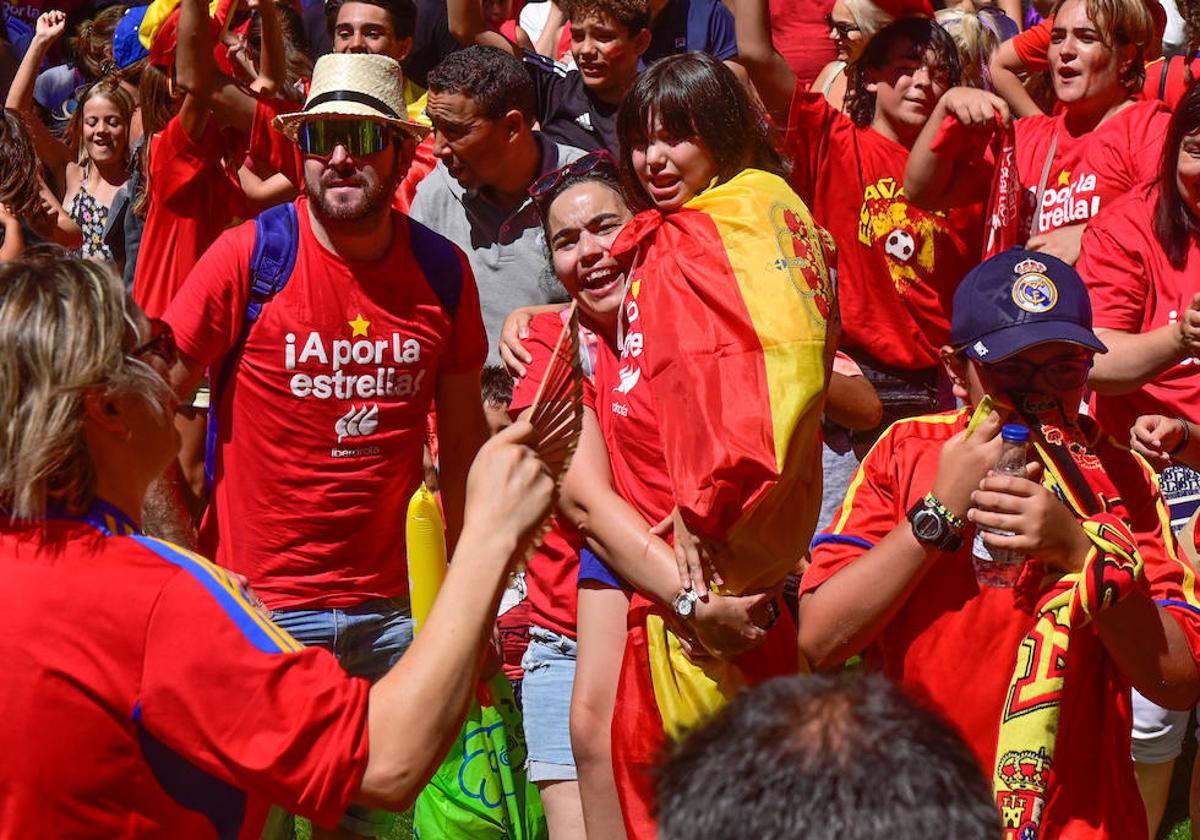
568 114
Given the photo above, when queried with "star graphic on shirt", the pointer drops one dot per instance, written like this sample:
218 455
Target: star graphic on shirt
359 325
1064 178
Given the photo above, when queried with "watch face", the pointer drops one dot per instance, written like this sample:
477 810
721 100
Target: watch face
928 526
684 602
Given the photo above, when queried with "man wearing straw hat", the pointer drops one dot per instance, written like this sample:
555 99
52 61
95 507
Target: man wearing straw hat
321 414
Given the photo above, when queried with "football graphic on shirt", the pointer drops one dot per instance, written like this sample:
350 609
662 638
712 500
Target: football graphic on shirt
907 235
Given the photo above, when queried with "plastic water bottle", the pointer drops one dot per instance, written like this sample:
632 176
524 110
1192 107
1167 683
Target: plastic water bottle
998 567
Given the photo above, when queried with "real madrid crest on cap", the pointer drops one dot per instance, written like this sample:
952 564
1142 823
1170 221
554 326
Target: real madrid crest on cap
1033 291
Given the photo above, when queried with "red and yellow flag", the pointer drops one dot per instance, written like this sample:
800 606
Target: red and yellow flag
735 293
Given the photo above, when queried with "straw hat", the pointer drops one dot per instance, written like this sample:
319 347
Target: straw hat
354 85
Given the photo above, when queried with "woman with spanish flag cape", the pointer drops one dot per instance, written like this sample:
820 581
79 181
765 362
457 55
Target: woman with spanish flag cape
724 354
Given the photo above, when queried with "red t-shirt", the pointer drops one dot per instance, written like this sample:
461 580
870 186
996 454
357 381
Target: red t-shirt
552 573
628 421
322 425
142 697
1135 289
801 36
193 197
1167 79
1091 168
952 645
274 148
898 265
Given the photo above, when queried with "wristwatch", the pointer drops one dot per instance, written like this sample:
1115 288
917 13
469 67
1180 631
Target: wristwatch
685 602
934 525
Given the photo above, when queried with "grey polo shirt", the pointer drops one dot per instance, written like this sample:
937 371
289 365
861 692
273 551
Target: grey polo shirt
505 244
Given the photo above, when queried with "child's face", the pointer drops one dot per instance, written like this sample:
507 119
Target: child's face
907 89
605 53
672 171
1187 171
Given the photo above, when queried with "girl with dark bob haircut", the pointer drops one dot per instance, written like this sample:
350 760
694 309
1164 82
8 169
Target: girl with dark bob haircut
695 96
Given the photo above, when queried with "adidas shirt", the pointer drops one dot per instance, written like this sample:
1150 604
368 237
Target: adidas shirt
565 112
143 698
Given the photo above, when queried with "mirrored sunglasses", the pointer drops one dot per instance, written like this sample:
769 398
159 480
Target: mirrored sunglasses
319 138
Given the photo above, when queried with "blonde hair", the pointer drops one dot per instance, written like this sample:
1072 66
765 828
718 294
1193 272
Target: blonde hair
65 328
869 17
107 88
975 43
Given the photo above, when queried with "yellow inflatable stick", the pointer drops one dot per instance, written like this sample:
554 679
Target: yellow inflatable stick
426 540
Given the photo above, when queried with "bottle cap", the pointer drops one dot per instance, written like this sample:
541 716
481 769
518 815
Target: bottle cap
1015 432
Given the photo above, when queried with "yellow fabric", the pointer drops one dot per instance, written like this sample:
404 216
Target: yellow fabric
416 97
766 229
157 13
686 694
425 543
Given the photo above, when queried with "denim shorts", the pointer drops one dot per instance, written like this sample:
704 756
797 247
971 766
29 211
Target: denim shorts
549 664
368 639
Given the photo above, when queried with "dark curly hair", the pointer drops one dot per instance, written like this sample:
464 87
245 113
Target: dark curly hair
634 15
694 96
907 38
492 77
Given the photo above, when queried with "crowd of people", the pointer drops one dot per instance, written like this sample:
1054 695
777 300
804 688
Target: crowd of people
878 519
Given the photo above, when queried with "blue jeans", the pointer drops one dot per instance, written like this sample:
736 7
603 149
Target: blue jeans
368 639
549 665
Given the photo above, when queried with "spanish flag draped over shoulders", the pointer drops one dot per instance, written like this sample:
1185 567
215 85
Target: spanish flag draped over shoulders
735 294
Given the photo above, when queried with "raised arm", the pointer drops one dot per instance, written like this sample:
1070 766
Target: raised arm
272 57
195 69
548 41
416 710
772 78
1006 68
940 178
52 151
466 25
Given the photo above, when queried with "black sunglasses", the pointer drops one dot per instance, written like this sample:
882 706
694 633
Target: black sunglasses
161 344
546 184
362 137
843 29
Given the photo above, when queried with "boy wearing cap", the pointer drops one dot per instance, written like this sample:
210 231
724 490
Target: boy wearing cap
1035 677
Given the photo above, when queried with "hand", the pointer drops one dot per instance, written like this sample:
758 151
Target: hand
251 596
1189 328
964 462
509 491
44 219
693 554
729 625
515 330
1154 436
1061 242
7 214
1041 525
975 108
50 27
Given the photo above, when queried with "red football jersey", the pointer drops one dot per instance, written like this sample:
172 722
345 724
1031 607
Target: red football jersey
898 265
144 698
952 645
322 423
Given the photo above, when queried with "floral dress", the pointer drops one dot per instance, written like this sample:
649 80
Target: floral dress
92 217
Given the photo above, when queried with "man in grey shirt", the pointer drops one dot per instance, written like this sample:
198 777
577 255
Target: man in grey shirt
481 104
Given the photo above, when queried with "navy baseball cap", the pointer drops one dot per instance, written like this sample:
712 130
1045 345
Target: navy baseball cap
1017 299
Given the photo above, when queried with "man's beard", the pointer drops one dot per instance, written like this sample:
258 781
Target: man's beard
376 197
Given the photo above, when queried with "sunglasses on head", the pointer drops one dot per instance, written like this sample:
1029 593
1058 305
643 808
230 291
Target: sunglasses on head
546 184
843 29
361 137
160 344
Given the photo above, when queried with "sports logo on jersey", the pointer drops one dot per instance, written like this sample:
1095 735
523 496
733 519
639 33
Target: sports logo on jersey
358 422
630 376
908 235
1033 291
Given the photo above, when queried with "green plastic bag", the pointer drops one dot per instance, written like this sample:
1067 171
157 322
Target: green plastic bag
481 791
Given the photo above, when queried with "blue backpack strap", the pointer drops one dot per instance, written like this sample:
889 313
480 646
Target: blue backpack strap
440 261
276 241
